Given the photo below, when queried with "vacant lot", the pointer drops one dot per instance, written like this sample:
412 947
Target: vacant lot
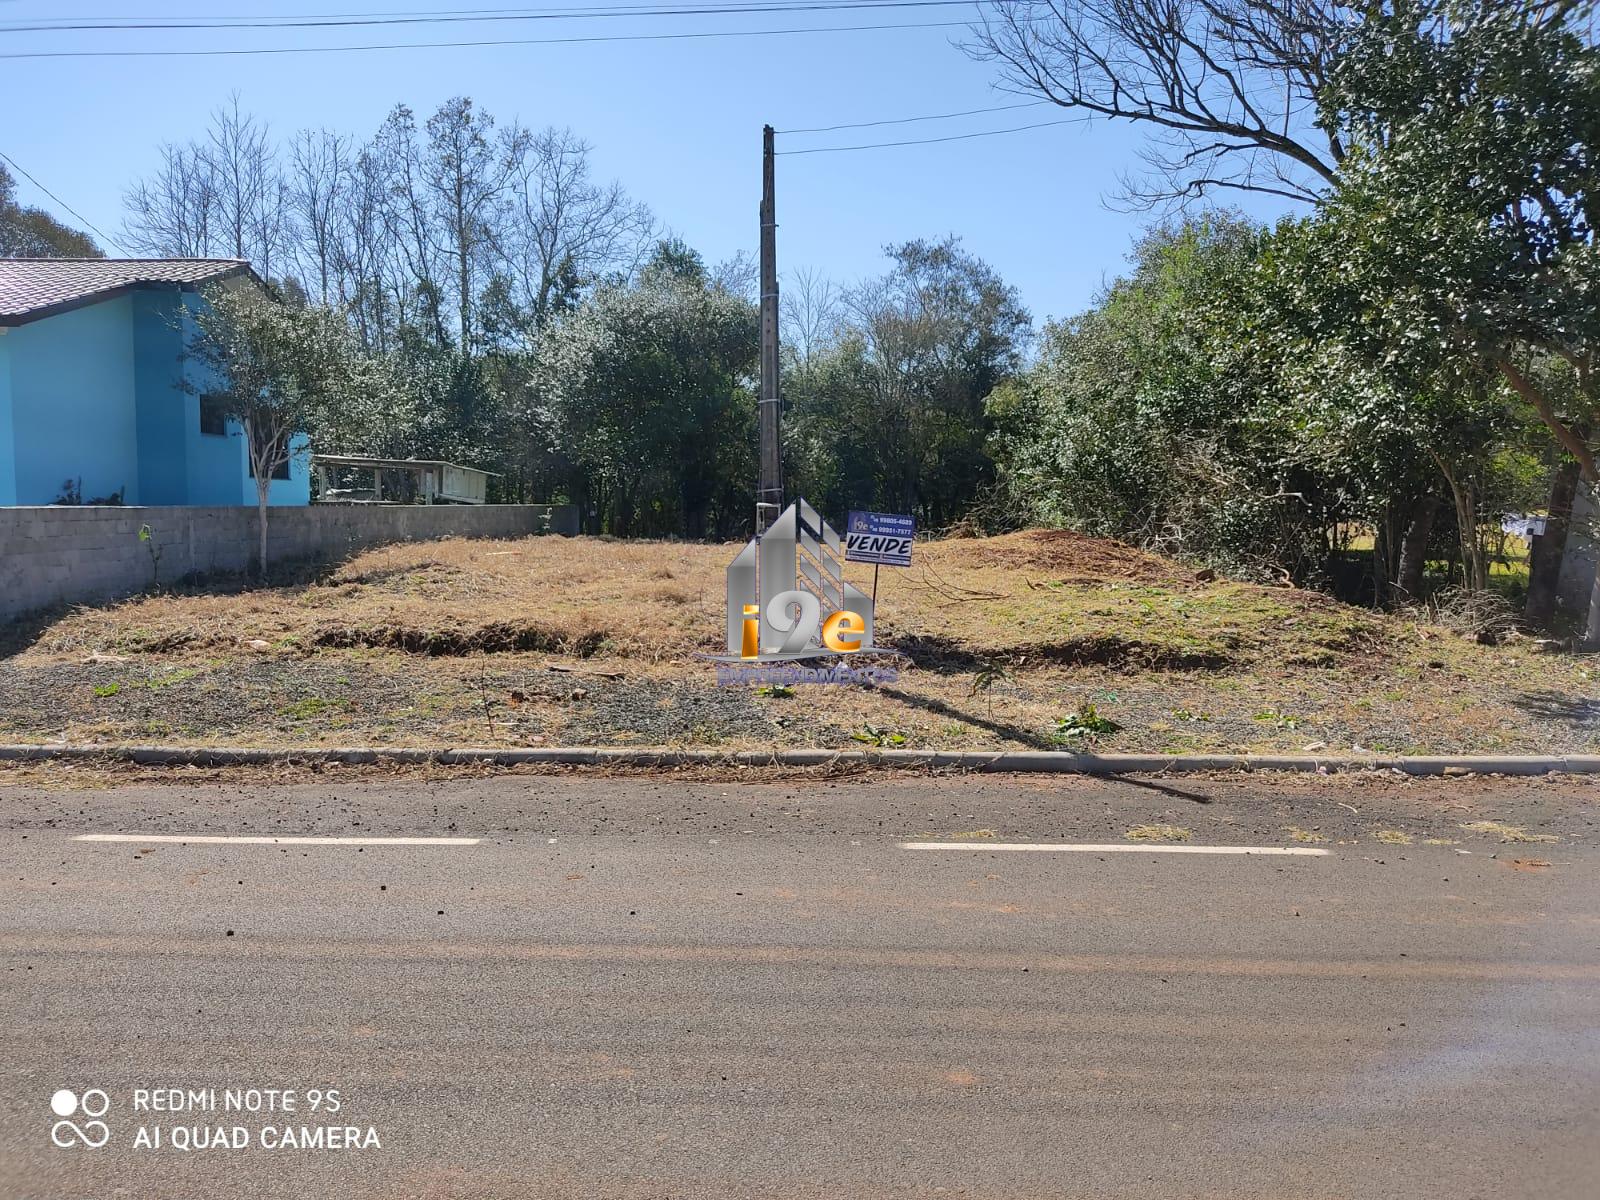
1031 639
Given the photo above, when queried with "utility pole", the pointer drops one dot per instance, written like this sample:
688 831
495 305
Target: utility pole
769 492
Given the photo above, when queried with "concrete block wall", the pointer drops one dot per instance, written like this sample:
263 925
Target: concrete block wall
65 555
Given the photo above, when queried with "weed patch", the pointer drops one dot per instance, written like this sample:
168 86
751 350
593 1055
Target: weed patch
1508 833
1159 833
1086 724
313 707
873 735
1296 834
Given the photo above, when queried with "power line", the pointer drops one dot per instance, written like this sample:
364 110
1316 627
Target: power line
425 12
445 17
561 41
908 120
103 236
954 137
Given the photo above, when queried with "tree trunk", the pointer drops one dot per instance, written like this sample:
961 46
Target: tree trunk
694 521
262 488
1591 631
1474 570
465 284
1574 440
1380 559
1547 549
1414 550
1591 628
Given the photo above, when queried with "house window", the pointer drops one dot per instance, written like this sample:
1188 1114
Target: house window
214 415
281 471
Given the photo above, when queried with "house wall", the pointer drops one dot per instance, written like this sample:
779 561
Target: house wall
294 490
216 466
72 402
104 393
60 555
167 416
214 462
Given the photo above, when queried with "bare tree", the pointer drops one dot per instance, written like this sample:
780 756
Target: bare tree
172 213
496 228
248 187
466 173
222 196
366 253
811 313
407 220
738 275
319 177
1227 87
565 228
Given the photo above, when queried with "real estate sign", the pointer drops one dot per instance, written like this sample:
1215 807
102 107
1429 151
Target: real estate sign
883 539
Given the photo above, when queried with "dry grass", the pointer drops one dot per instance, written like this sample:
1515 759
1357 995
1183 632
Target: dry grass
1296 834
448 597
1159 833
553 641
1393 837
1508 833
1045 596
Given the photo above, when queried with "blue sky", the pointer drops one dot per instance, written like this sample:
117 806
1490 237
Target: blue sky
678 122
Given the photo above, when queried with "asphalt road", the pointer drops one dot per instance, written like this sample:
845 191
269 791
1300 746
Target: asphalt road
654 988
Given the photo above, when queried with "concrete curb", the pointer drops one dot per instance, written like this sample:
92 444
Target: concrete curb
1047 761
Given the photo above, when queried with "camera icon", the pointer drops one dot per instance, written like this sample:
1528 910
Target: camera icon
93 1104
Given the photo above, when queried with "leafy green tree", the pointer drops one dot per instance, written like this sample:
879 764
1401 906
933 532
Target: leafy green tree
458 405
1185 413
830 443
1415 446
645 391
33 233
674 261
891 414
281 368
1151 418
1458 247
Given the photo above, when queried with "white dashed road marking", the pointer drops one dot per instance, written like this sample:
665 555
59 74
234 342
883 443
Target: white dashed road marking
1114 848
217 840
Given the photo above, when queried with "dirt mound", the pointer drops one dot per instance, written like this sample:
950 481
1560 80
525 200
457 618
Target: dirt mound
938 653
1065 554
497 638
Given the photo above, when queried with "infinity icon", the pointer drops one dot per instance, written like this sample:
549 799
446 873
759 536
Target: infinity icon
92 1133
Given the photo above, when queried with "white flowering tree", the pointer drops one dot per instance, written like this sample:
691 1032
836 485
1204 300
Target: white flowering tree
274 367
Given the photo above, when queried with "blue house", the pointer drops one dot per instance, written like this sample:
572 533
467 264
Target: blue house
93 402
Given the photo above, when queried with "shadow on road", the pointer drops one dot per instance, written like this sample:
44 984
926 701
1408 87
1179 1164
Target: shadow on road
1166 789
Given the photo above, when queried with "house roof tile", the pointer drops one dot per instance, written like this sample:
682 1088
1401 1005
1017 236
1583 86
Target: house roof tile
31 288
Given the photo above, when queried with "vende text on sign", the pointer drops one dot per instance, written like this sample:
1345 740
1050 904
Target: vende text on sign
881 538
